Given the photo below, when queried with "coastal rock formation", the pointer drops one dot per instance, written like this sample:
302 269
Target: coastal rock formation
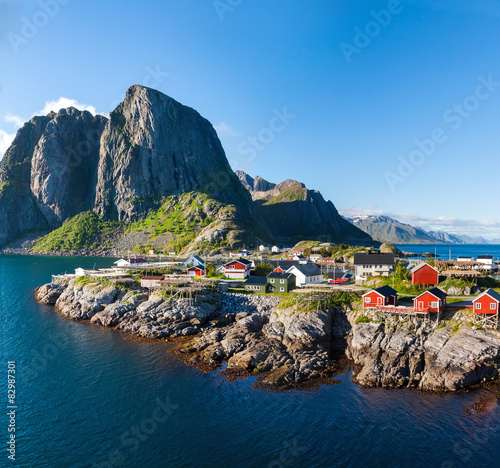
285 348
48 294
419 355
290 347
293 213
248 332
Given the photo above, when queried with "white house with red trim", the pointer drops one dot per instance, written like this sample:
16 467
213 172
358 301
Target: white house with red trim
238 269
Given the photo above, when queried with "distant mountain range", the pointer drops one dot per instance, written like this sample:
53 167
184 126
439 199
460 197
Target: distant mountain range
392 231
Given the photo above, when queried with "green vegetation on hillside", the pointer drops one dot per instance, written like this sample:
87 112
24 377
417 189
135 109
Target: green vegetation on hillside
291 194
179 218
83 231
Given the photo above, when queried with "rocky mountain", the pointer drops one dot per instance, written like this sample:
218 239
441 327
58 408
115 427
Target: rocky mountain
386 229
448 238
293 213
254 185
152 175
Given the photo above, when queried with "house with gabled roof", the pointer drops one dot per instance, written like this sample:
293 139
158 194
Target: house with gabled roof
373 264
306 274
257 284
281 281
487 303
131 262
433 300
424 274
238 269
382 296
196 271
195 260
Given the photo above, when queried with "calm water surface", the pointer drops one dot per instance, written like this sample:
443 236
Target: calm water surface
90 397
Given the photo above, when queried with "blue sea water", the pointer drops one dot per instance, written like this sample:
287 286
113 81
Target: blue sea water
447 251
91 397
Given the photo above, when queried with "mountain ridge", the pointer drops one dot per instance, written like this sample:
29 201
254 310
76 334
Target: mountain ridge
387 229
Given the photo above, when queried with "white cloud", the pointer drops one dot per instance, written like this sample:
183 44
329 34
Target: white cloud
225 129
5 141
56 106
15 119
63 103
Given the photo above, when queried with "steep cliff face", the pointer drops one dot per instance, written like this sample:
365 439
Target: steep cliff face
293 213
18 210
64 165
154 147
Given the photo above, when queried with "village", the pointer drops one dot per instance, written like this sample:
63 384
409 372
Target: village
369 274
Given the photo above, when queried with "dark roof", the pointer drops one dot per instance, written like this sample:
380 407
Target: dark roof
492 293
373 259
386 291
283 264
279 275
198 267
135 260
257 280
240 260
158 278
436 292
308 270
485 257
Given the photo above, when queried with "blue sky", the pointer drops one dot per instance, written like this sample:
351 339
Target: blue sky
386 107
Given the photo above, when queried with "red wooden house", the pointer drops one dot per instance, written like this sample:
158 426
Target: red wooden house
425 275
486 308
433 300
380 297
196 271
278 270
487 303
238 269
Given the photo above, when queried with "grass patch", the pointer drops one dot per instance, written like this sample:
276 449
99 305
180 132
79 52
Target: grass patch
364 319
83 231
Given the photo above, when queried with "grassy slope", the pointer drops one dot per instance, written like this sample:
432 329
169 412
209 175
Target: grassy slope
178 221
83 231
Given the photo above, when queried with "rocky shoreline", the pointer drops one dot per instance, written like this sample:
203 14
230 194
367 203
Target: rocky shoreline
285 348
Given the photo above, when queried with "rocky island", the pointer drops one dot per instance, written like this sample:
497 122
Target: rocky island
286 344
